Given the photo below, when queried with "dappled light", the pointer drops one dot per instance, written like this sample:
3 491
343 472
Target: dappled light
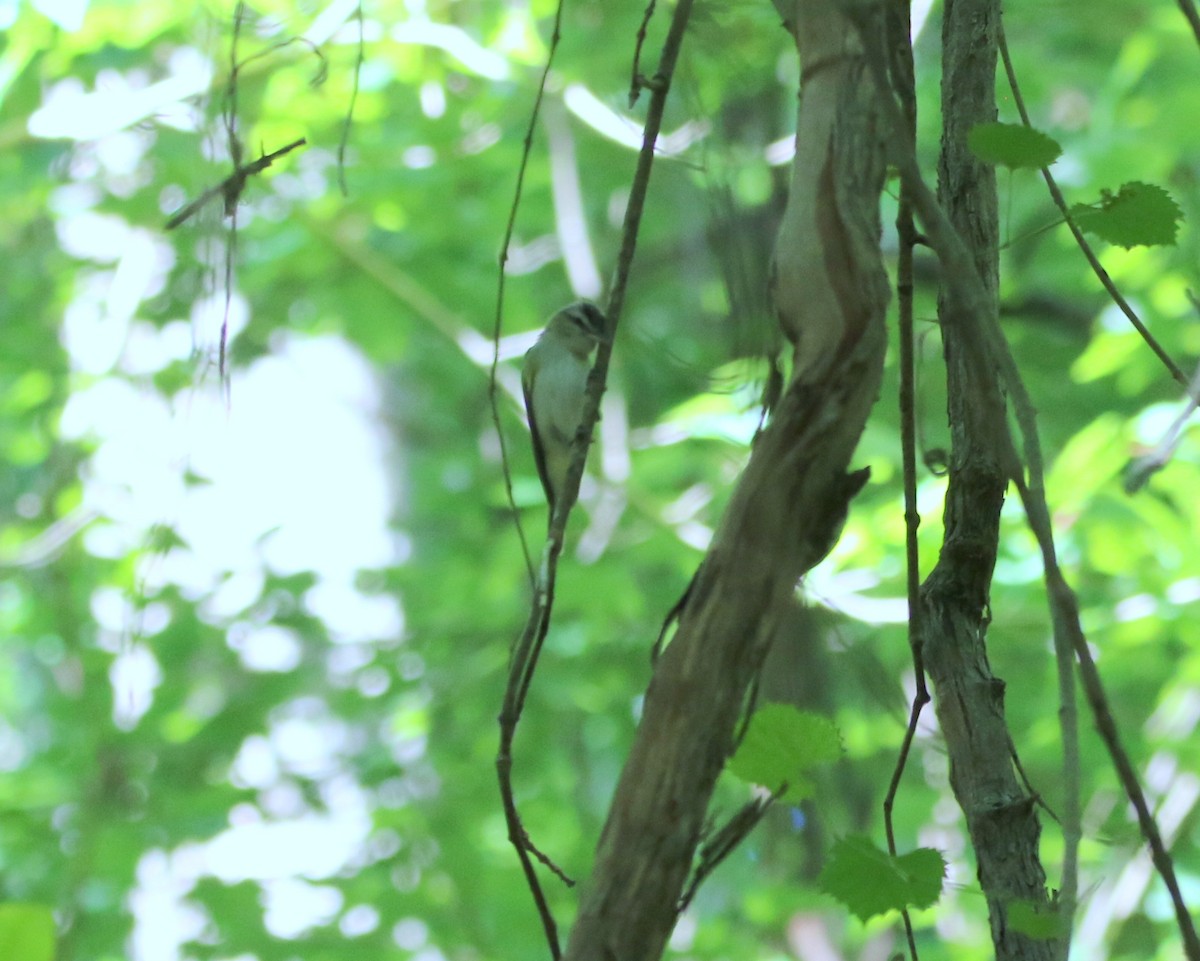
260 581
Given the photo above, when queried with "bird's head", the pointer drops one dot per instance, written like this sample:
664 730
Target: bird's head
580 326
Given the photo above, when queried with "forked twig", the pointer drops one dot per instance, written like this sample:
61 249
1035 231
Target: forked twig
230 189
637 81
724 842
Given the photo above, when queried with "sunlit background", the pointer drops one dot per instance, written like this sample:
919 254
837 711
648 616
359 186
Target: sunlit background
255 614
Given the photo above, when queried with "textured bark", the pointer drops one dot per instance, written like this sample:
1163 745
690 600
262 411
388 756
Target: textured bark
969 699
782 518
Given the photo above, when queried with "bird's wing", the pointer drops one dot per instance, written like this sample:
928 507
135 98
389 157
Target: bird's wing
539 455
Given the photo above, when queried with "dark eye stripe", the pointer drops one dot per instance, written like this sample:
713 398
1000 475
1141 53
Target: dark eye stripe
588 318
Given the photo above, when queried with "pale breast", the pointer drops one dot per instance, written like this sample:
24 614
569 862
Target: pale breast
560 388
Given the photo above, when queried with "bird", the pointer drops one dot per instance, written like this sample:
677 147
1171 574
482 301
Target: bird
554 378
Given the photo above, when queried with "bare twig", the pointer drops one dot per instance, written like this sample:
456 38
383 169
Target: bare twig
1093 688
1068 633
1188 9
1094 261
961 275
498 319
230 116
230 189
659 86
724 842
1141 469
899 33
359 57
521 666
963 278
524 655
1068 637
637 81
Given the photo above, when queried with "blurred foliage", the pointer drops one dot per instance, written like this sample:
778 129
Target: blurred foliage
211 759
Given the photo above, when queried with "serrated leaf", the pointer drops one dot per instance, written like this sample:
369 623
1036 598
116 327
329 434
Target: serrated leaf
1013 145
1034 920
781 745
870 881
26 932
1139 214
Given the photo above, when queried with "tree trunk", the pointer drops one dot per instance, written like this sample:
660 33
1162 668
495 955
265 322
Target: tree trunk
969 698
831 293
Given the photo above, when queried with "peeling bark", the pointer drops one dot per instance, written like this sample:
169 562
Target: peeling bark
831 296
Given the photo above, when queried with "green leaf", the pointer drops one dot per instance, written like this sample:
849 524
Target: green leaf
870 881
1013 145
26 932
781 746
1035 920
1139 214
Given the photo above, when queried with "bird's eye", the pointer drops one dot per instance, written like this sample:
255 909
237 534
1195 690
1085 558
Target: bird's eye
590 320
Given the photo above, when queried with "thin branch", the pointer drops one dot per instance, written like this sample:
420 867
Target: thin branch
1028 784
1068 637
899 31
1068 634
1139 471
522 663
989 348
525 652
961 275
360 56
659 85
718 847
230 117
1188 9
1097 268
498 319
322 64
524 656
637 81
1065 600
232 187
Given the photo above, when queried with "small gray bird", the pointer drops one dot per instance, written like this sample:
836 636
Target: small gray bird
555 381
